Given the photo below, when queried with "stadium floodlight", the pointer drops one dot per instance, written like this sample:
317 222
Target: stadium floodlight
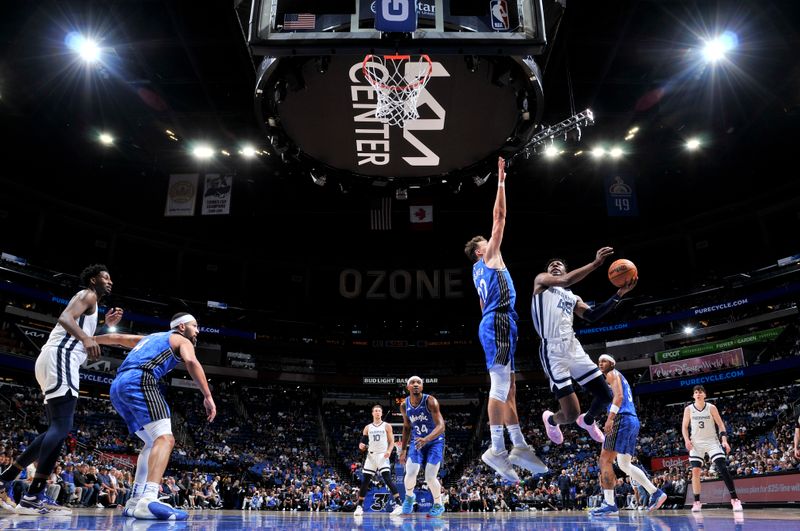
688 330
248 152
203 152
106 139
716 49
598 152
551 151
693 144
86 48
615 152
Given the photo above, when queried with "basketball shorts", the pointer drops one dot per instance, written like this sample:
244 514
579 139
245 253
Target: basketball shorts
498 336
430 454
57 371
702 448
138 400
564 360
376 462
624 430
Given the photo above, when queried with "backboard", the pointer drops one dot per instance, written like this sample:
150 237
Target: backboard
480 27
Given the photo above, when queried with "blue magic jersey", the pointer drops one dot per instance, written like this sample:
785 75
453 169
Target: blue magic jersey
495 289
420 417
152 354
627 406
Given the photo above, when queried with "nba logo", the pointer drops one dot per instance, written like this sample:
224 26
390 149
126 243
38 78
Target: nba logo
499 14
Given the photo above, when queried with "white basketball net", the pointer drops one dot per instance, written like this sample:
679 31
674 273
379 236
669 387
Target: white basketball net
398 81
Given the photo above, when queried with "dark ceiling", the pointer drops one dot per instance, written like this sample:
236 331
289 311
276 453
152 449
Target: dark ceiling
185 66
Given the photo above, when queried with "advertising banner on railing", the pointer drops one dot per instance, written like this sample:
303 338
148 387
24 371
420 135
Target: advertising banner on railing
729 359
783 488
661 463
718 346
792 363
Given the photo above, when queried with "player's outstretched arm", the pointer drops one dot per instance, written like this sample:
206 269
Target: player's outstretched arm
122 340
546 280
493 258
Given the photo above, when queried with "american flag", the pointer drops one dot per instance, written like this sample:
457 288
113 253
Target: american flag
299 21
380 213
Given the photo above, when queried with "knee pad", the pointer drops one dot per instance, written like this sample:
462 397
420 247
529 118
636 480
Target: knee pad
156 429
431 473
500 376
412 469
624 462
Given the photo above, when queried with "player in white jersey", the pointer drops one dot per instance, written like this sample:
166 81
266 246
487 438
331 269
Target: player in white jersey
563 359
703 419
378 441
57 367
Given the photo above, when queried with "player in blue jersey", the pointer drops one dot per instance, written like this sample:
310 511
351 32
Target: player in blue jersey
137 398
422 444
553 308
621 430
498 336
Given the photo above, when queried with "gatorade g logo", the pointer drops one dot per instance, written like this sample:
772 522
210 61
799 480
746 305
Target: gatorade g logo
395 10
499 10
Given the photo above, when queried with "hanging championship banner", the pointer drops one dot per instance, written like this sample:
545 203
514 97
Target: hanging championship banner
217 194
181 194
621 196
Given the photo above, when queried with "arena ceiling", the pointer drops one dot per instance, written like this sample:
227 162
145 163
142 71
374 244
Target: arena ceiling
186 68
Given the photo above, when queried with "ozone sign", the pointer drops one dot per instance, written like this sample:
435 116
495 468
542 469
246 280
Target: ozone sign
464 117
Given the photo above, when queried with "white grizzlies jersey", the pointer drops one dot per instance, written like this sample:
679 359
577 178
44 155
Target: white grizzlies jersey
57 367
552 312
703 426
60 338
378 440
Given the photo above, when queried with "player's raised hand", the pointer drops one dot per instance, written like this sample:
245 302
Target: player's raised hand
602 254
501 170
113 316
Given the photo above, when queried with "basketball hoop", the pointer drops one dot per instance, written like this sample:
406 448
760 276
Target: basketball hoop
398 81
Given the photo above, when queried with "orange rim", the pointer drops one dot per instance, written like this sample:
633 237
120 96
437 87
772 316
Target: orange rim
397 88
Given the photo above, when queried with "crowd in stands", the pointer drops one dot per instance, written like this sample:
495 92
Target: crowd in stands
268 453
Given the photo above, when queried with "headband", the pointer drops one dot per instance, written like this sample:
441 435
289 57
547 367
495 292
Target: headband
408 382
608 359
188 318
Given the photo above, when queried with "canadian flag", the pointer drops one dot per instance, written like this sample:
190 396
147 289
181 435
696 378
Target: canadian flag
421 216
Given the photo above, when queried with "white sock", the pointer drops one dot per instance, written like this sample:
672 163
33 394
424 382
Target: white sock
517 439
150 490
608 495
498 441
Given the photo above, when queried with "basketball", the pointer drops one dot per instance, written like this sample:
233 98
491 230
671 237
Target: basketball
622 271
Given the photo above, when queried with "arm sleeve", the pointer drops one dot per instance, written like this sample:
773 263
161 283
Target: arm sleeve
598 312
